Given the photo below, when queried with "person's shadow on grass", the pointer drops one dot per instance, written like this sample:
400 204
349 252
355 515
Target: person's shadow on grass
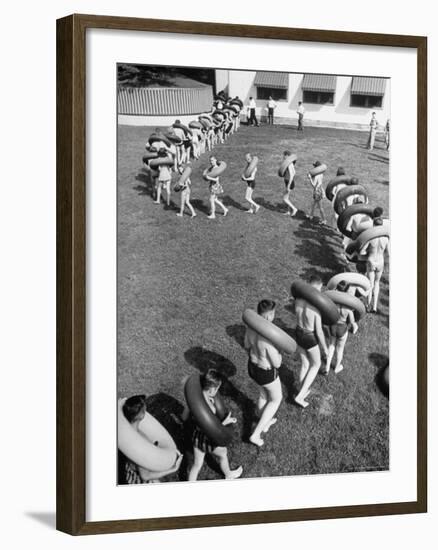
381 362
230 202
279 207
204 359
147 186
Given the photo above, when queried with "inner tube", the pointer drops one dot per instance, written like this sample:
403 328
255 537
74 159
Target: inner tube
152 449
195 124
318 170
368 235
161 161
333 183
250 167
187 131
216 171
269 331
159 137
343 194
205 122
205 115
344 299
356 279
350 211
173 138
234 108
285 163
219 114
186 174
209 423
148 155
237 102
326 307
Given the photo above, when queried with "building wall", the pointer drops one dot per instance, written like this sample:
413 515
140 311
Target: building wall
222 77
341 114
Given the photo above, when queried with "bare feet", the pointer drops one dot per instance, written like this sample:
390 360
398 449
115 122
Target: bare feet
286 213
156 202
225 212
257 208
234 474
179 215
250 211
211 217
258 441
294 212
270 423
301 402
193 216
339 369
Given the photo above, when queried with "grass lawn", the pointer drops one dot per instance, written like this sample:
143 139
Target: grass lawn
183 284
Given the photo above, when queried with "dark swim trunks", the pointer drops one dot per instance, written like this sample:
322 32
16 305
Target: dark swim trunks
261 376
306 339
251 183
286 183
201 441
339 330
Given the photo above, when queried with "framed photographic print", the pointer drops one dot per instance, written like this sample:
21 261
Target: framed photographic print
241 274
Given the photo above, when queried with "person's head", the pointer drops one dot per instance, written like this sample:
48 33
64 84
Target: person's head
134 408
359 199
286 154
341 171
162 152
210 382
316 281
342 286
250 97
373 114
213 160
266 308
354 180
270 98
378 212
377 222
300 102
316 163
248 157
177 121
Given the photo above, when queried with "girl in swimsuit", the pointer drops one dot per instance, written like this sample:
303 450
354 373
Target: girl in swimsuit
264 360
215 190
339 334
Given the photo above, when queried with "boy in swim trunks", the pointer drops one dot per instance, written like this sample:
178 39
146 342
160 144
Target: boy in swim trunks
318 195
289 181
375 254
264 360
202 444
250 180
339 334
309 337
361 264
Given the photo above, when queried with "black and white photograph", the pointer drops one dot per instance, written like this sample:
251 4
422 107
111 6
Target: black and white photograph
253 247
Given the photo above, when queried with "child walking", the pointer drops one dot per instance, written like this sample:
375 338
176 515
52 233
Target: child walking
185 189
250 180
164 178
202 444
318 195
215 189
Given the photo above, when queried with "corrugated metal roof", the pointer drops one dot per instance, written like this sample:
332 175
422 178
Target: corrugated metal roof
319 82
367 85
268 79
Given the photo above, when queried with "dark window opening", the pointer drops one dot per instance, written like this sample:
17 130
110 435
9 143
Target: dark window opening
367 101
277 94
321 98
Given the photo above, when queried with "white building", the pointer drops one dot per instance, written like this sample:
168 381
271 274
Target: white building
329 100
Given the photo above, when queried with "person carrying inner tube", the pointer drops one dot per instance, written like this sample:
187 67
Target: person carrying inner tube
309 336
375 253
289 181
317 195
215 190
134 410
210 383
250 186
264 360
339 334
361 264
164 179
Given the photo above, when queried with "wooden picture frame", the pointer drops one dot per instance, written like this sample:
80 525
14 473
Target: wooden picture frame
71 272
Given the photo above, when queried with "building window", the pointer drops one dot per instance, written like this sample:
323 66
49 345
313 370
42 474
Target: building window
277 94
320 98
367 101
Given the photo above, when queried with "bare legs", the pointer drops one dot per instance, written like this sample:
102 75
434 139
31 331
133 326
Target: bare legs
253 206
373 296
338 345
317 204
310 364
292 210
268 402
221 454
213 201
185 201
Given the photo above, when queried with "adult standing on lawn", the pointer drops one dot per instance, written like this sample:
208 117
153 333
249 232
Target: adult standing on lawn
264 360
215 189
300 113
373 131
309 336
252 120
271 106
